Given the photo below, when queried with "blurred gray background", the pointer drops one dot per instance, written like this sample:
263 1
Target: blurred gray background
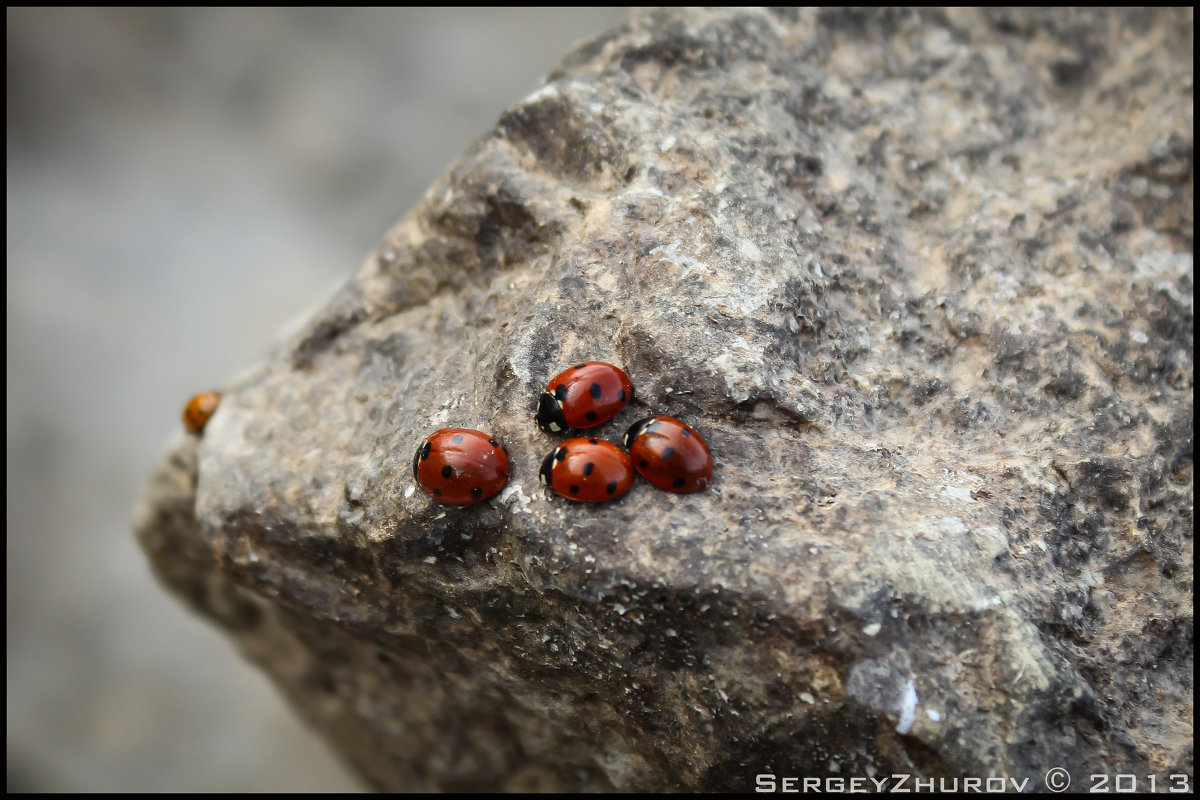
181 184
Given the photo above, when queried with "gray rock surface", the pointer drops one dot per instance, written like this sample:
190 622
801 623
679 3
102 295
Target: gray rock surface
924 282
191 150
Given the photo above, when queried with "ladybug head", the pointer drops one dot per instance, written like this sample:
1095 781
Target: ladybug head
635 430
421 454
547 467
549 415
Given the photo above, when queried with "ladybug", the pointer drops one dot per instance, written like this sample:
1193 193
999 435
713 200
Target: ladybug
587 470
669 454
584 396
198 410
460 467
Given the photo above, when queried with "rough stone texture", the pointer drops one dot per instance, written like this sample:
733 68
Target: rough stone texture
924 282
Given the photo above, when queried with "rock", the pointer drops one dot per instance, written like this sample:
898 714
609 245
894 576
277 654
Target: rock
922 279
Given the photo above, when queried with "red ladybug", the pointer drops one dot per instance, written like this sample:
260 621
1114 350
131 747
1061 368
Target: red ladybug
198 410
587 470
669 454
584 396
459 466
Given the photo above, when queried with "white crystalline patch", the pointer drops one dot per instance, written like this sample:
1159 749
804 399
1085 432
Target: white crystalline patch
751 293
409 492
872 629
933 715
953 525
741 343
666 144
749 250
808 698
907 707
985 603
1139 337
886 687
439 417
542 94
673 200
734 362
430 559
939 44
687 263
1164 264
514 490
957 493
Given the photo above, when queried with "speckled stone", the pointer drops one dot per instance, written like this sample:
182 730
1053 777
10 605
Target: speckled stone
922 280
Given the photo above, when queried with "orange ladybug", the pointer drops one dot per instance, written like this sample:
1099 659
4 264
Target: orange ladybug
198 410
669 454
584 396
460 466
587 471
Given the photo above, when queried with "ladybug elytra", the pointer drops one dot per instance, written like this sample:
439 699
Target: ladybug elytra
587 470
460 466
669 454
198 411
584 396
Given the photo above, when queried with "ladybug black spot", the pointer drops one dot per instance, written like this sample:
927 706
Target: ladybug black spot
643 463
679 482
437 492
560 392
612 487
574 490
670 451
592 441
595 391
580 366
588 468
591 415
457 439
686 432
621 395
447 471
476 493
